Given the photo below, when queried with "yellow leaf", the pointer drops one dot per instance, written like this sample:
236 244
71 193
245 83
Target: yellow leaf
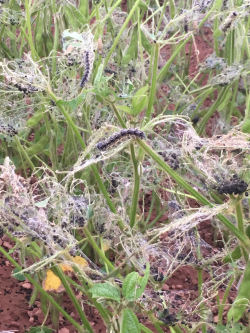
105 245
80 261
52 282
66 268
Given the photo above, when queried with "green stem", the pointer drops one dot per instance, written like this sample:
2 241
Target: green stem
239 215
23 152
136 175
97 249
212 109
56 40
240 222
57 270
223 303
110 10
43 292
82 143
116 41
136 188
122 123
165 68
30 39
233 101
103 312
199 197
153 84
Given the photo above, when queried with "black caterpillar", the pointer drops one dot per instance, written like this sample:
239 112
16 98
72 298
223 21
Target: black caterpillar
171 159
86 75
234 185
185 25
25 89
228 22
131 132
8 130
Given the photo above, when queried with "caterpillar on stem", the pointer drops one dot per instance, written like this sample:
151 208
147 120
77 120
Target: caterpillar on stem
88 69
228 22
116 137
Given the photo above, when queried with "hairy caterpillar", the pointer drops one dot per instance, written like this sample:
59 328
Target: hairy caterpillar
228 22
87 72
186 25
125 133
8 130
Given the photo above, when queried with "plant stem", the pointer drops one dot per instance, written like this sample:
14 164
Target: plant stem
23 152
57 270
116 41
199 197
239 215
136 174
82 143
97 249
240 221
56 38
223 303
212 109
103 312
43 292
136 188
153 84
30 39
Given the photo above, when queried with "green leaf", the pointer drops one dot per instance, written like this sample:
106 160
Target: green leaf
105 290
140 100
143 282
34 120
235 328
134 285
17 275
172 9
225 101
40 329
248 231
125 108
246 126
42 204
237 310
130 323
90 212
38 34
101 87
233 256
243 298
99 75
129 286
73 103
145 43
132 50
